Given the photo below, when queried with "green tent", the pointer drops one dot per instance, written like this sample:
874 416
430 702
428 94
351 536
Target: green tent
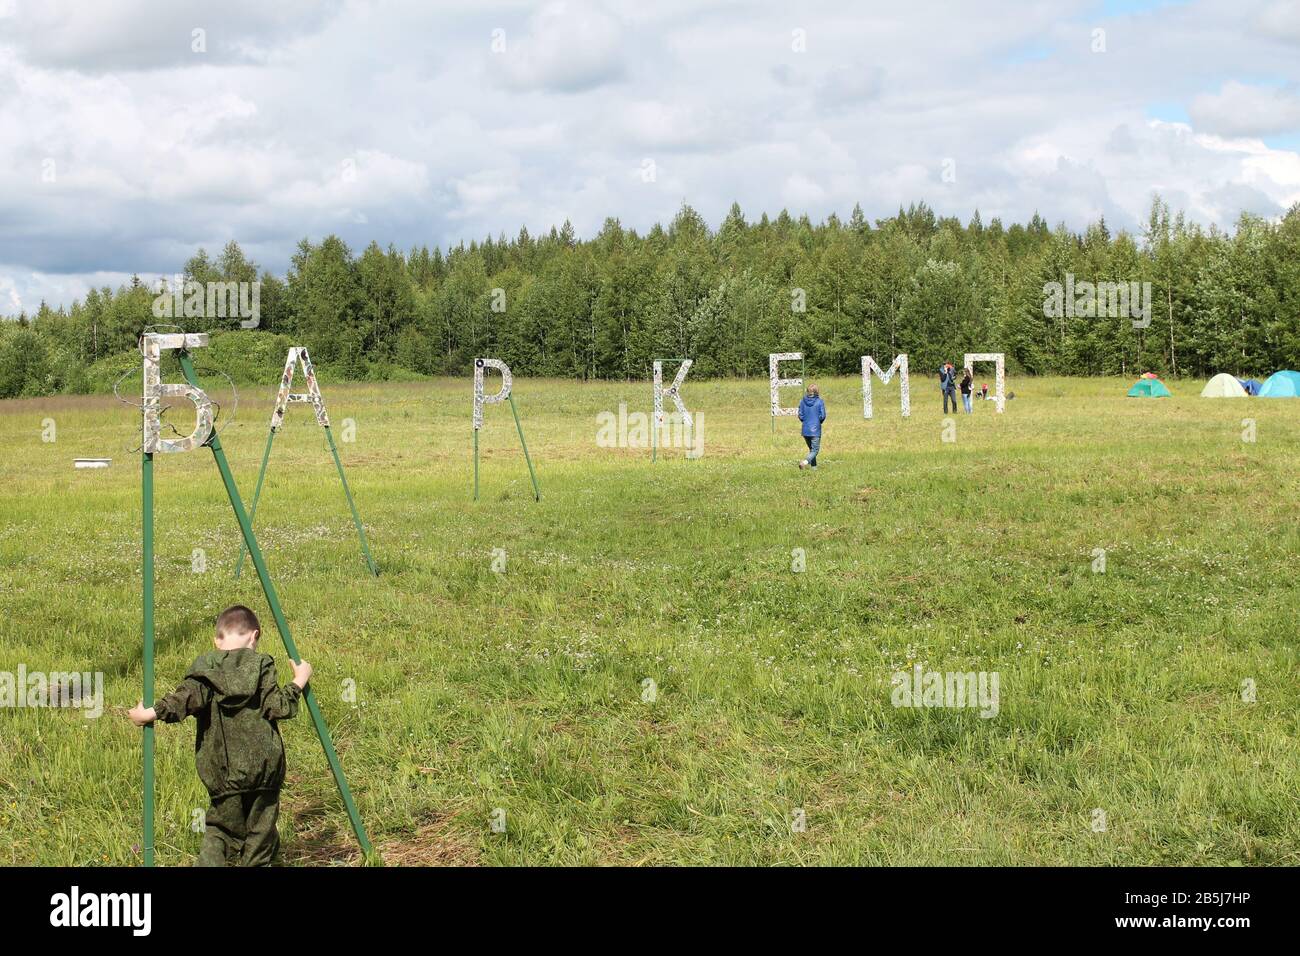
1149 388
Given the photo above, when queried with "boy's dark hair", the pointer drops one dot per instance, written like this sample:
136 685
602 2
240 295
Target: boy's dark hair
237 619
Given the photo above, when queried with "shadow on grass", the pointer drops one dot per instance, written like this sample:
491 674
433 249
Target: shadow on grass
321 837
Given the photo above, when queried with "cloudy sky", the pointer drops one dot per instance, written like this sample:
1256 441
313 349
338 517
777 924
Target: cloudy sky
134 132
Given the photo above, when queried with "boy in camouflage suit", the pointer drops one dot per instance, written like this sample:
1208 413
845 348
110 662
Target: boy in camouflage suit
233 695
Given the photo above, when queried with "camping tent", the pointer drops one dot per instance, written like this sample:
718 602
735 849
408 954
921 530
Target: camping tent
1251 386
1223 385
1149 388
1282 384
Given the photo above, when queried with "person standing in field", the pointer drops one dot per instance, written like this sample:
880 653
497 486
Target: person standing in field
237 703
812 412
948 385
967 388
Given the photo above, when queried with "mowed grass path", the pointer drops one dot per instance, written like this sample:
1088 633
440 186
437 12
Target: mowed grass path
1120 691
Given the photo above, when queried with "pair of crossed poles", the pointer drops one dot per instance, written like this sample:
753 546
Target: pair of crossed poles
205 435
285 397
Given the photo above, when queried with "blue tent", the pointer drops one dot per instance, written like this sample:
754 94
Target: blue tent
1284 384
1251 385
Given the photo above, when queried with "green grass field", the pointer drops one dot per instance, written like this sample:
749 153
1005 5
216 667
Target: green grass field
1120 691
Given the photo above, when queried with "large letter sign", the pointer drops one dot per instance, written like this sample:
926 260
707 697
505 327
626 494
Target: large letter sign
674 392
773 362
480 365
284 398
1000 373
152 345
869 368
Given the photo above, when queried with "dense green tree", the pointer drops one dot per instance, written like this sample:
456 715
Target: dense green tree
916 282
328 304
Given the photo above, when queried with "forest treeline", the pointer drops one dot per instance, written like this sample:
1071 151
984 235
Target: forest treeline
918 283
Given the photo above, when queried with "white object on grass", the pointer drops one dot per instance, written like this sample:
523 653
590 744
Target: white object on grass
869 368
480 399
774 377
673 391
284 398
1000 374
152 345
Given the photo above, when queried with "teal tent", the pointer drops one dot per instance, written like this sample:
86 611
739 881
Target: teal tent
1149 388
1284 384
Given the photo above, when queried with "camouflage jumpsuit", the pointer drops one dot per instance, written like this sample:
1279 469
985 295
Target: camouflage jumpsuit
234 697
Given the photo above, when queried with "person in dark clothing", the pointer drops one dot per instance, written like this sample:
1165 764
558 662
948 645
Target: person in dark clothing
948 385
812 412
237 704
967 388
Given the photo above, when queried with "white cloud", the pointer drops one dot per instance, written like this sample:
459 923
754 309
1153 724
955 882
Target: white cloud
1239 109
1281 20
654 124
800 191
11 303
486 187
144 35
568 48
396 122
852 84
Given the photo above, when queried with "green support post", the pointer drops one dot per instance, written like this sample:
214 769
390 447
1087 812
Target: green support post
537 493
246 529
356 518
476 464
257 496
146 483
347 492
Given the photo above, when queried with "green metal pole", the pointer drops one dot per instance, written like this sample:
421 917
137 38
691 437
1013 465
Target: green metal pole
654 432
246 528
146 474
356 518
476 464
537 492
257 496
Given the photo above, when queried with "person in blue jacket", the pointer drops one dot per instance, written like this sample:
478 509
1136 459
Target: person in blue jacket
812 412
